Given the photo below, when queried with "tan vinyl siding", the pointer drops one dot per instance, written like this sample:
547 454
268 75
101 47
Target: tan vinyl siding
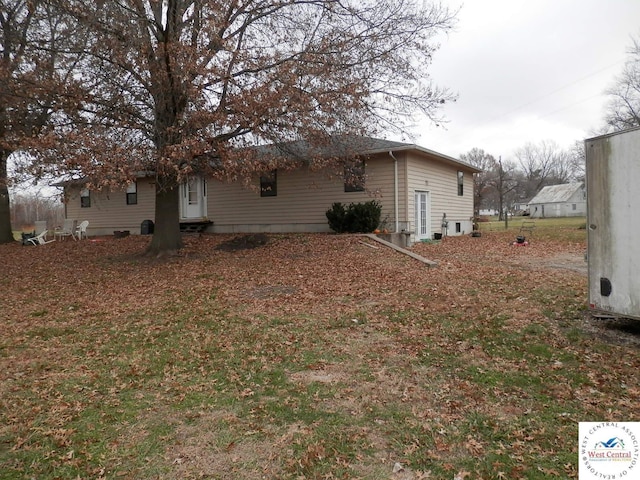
303 198
109 210
441 181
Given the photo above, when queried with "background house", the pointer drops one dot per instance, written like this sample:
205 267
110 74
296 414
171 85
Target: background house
567 200
521 206
417 188
487 212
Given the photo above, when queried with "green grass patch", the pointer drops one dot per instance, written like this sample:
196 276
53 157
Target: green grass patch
566 229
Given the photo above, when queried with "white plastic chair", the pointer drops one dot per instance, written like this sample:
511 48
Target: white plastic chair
40 239
81 231
67 230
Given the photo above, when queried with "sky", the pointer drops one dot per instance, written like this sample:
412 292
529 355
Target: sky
528 71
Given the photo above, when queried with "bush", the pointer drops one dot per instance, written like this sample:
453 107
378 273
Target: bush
354 218
336 216
363 217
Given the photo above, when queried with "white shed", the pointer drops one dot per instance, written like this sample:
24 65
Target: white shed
566 200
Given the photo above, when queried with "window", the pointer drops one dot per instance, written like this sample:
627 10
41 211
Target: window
269 184
193 196
354 176
132 194
85 198
458 227
574 206
460 183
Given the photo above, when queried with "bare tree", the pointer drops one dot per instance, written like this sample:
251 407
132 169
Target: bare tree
543 164
26 208
179 87
623 110
505 182
482 181
577 161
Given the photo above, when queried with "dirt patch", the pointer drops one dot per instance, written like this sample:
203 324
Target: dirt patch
610 329
244 242
325 375
564 261
618 331
213 447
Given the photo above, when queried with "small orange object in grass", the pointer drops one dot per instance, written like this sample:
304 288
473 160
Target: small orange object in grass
376 231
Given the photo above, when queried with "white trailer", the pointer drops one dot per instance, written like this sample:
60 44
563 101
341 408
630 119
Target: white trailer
613 220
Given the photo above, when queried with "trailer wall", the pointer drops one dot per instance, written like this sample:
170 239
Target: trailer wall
613 221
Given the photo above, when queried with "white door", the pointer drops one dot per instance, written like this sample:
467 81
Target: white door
423 222
193 198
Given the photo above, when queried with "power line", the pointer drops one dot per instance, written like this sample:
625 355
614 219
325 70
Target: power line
559 89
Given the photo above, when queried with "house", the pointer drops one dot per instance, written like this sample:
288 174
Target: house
567 200
521 206
421 191
487 212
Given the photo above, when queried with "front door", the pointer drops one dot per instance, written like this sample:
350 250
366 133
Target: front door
423 222
193 198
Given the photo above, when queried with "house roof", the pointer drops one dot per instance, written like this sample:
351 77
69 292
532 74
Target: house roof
352 145
556 193
342 146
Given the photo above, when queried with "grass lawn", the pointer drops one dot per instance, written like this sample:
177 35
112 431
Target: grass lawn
308 357
567 229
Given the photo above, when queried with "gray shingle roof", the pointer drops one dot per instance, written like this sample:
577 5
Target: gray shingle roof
344 146
349 146
556 193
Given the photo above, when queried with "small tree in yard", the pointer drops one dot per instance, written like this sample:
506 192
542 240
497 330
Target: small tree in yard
176 87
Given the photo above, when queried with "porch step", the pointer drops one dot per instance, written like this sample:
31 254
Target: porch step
194 227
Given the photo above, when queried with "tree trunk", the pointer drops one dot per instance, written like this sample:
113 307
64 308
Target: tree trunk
166 234
6 235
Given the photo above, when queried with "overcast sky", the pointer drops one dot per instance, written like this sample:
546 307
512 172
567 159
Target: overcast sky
527 71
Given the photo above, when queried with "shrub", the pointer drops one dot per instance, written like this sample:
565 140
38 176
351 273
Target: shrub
354 218
363 217
337 217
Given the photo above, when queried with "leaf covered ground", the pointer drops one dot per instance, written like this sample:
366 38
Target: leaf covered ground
305 356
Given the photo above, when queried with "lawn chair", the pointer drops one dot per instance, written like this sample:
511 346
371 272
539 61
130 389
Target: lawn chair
39 239
81 231
67 230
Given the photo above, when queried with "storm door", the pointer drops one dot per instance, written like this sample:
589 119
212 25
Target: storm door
193 198
422 220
